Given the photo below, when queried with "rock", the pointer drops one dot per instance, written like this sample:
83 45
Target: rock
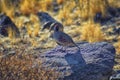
112 11
93 62
45 17
98 18
116 31
47 20
5 24
115 76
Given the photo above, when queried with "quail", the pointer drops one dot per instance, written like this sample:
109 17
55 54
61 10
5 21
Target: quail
49 25
56 24
5 23
52 28
46 25
62 38
47 21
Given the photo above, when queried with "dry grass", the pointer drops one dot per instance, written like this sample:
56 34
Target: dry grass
60 1
7 8
11 33
88 8
27 6
69 12
114 3
36 25
92 33
23 67
117 47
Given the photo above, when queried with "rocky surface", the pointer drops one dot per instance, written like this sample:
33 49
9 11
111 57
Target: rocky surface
116 75
47 20
93 62
6 24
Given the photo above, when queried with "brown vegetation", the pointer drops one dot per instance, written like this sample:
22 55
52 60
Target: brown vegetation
23 67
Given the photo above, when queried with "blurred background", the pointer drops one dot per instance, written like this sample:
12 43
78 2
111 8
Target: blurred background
83 20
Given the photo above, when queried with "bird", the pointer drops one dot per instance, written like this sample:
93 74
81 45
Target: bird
62 38
6 23
47 21
52 28
57 24
46 25
49 25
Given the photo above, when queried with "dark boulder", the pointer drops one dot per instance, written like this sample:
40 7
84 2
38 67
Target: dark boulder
94 61
5 24
47 20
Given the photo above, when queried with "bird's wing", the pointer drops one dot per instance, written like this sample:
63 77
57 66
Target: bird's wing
64 39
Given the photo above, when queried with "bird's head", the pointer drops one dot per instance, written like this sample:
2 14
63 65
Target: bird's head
52 27
56 27
46 25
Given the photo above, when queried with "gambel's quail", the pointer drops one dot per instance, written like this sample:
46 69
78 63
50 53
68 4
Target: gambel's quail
62 38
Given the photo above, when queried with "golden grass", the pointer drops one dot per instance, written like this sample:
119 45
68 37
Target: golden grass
88 8
36 25
60 1
92 33
114 3
12 35
27 6
7 8
29 29
36 30
33 42
117 47
65 13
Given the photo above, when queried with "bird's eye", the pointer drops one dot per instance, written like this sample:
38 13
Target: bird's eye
56 28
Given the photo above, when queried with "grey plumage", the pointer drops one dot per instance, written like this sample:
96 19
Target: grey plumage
62 38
